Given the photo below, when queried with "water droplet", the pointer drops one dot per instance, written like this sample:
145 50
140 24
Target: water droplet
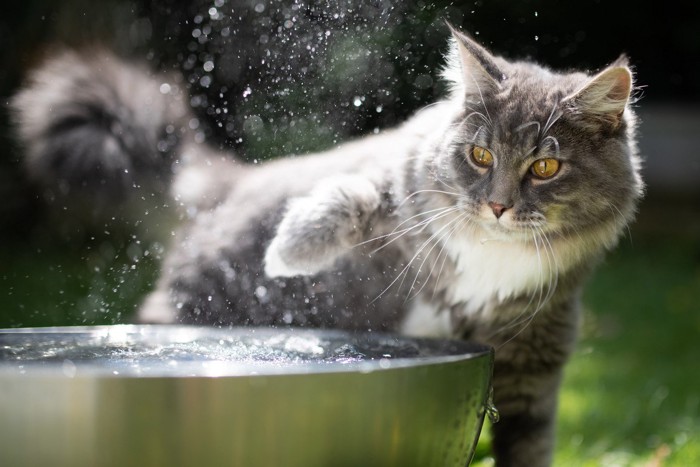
261 291
491 410
537 38
164 88
205 81
357 101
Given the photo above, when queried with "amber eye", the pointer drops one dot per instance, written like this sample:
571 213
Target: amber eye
482 157
545 168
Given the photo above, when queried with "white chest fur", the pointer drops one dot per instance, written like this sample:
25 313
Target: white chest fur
487 272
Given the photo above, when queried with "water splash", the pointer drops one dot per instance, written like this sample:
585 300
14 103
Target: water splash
491 410
175 350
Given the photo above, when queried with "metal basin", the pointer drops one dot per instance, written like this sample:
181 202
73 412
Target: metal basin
180 396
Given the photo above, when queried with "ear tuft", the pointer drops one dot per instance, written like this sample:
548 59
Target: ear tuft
622 61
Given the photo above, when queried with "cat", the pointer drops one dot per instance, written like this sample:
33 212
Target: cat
479 218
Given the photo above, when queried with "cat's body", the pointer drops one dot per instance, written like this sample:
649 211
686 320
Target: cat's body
455 224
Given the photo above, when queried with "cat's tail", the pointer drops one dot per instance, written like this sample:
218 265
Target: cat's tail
94 126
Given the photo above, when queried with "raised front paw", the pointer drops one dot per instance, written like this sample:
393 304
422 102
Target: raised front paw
280 260
320 228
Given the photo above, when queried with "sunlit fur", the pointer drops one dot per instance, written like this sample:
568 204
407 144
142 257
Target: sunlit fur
400 231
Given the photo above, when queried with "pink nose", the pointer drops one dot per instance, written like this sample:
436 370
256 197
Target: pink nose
498 209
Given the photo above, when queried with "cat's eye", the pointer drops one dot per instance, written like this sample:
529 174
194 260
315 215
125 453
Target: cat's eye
545 168
482 156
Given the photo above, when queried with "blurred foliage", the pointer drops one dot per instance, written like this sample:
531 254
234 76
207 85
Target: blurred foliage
95 284
276 77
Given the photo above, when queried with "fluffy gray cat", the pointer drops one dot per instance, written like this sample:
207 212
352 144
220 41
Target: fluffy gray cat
479 218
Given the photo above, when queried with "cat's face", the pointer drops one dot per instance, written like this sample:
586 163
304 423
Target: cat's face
536 152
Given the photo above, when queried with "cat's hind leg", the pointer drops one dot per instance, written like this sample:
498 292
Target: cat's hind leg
319 228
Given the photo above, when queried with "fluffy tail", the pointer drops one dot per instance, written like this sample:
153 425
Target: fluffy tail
94 126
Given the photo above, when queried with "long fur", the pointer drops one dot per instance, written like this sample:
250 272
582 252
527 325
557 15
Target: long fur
96 124
395 231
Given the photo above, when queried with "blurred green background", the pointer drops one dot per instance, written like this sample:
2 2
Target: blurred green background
292 77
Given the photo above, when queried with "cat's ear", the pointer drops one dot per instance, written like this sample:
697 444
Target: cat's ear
604 98
623 61
471 68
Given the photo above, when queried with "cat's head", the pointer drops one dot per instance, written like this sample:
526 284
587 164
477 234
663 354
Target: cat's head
534 151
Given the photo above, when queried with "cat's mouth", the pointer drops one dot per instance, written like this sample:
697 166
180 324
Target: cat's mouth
496 229
510 227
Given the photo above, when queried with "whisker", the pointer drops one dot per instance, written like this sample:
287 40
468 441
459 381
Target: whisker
426 191
403 272
444 253
540 288
552 119
553 280
419 227
531 150
442 240
433 237
472 114
535 236
523 315
553 268
448 185
553 265
554 140
423 213
529 124
483 102
396 229
614 208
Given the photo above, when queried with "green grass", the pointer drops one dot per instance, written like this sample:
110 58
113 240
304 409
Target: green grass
632 391
631 394
97 283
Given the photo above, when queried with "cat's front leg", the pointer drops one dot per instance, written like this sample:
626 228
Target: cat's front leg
524 435
319 228
527 376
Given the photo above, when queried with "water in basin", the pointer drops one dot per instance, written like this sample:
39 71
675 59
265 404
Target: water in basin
189 351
